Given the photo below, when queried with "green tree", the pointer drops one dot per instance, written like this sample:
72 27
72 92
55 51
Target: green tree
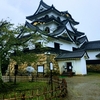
6 35
12 43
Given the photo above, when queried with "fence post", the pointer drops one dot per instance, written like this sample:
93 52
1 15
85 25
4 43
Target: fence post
23 96
45 93
64 88
51 82
37 94
3 97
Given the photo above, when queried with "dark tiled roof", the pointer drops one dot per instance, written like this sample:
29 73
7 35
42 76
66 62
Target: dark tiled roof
79 33
41 4
58 31
75 33
82 39
71 33
44 4
92 45
74 54
33 28
46 49
56 51
65 38
69 17
73 21
51 9
49 19
98 55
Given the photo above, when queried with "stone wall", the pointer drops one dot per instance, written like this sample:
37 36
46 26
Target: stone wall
42 60
93 67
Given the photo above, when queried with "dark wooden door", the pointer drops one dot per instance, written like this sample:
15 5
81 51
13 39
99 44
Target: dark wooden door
69 67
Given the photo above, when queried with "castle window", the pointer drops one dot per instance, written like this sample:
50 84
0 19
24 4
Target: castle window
41 10
40 70
74 37
67 15
47 30
46 17
58 18
38 45
35 23
56 46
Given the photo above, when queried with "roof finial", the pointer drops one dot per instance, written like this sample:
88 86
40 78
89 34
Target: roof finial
41 0
52 5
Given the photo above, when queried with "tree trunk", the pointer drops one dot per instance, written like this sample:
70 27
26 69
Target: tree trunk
0 75
0 72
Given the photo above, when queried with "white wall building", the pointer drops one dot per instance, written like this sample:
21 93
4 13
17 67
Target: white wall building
72 47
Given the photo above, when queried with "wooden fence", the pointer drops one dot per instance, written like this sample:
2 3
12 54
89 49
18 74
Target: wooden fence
53 91
23 78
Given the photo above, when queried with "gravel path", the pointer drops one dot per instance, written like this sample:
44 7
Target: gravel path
83 87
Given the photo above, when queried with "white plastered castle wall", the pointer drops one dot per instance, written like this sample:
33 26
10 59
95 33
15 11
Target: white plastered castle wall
79 66
92 54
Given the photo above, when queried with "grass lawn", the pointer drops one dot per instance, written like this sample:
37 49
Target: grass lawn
93 74
9 89
20 86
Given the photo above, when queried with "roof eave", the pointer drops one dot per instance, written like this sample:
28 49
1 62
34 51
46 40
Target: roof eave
69 58
48 10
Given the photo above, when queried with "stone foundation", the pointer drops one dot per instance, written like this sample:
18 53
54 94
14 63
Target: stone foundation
93 67
42 60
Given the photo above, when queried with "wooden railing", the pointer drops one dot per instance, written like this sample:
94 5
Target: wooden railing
23 78
58 91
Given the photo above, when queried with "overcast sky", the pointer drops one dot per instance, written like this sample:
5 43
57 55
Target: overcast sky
86 12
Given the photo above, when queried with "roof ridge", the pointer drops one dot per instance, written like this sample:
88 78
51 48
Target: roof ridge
94 41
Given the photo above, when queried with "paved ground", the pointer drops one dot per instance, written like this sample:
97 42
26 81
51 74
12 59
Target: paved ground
83 87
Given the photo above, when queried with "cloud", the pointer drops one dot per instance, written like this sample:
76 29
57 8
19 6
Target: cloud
14 14
84 11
